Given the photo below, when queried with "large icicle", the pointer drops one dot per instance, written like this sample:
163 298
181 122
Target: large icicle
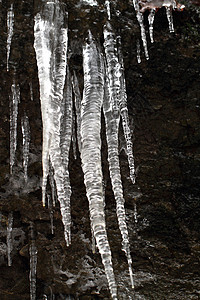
51 50
33 263
10 25
26 141
91 152
9 238
112 118
140 19
14 101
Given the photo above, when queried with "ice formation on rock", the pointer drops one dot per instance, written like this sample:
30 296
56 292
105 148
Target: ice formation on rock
10 25
14 101
104 89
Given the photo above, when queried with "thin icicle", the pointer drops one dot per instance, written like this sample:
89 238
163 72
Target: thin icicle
138 52
14 101
140 19
51 51
74 135
65 142
26 141
91 151
31 90
125 117
52 184
77 98
112 118
10 26
33 263
107 3
170 18
151 18
9 238
135 213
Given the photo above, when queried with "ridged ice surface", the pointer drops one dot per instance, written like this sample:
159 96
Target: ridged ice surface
9 238
91 151
169 14
33 264
140 19
151 18
10 26
50 44
14 101
26 141
113 100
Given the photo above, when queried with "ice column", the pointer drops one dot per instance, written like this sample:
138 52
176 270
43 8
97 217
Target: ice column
26 141
151 18
50 44
10 25
140 19
91 151
111 106
9 238
33 263
170 18
14 101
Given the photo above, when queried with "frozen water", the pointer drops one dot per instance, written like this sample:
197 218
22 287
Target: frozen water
14 101
10 26
151 18
26 141
91 151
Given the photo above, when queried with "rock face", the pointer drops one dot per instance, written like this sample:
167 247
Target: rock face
162 207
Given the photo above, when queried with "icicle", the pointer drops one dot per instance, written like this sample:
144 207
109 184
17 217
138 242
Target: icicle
91 151
74 135
31 90
138 52
125 117
10 25
170 18
77 97
33 263
140 19
26 141
135 213
65 142
107 3
9 238
151 18
51 48
14 101
112 118
52 184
